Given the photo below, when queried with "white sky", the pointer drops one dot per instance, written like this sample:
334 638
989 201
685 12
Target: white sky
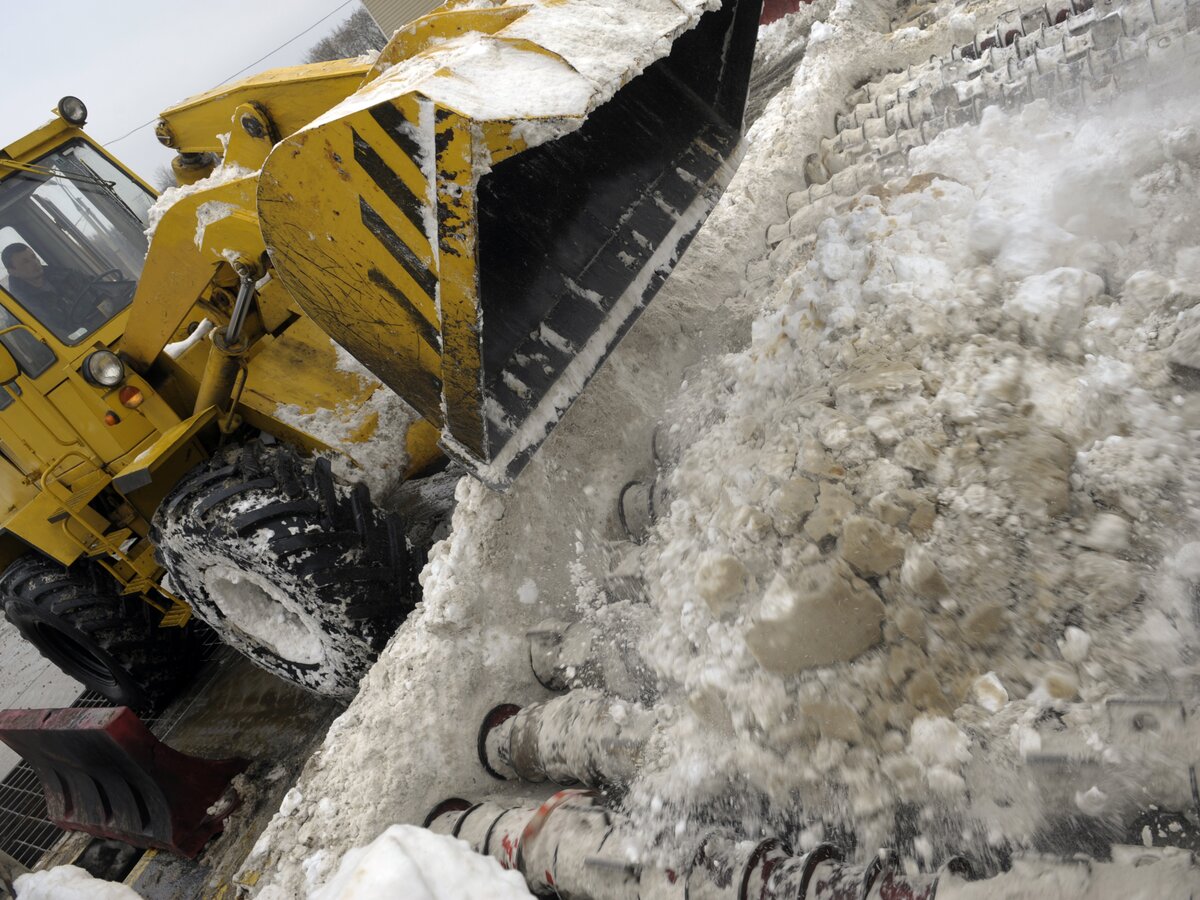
129 59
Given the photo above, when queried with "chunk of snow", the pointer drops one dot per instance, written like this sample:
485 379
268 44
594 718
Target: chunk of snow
936 741
411 862
69 883
1074 644
989 692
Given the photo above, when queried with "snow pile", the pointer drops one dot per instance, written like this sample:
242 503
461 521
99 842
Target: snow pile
780 39
408 861
1125 878
963 416
222 174
383 760
950 486
69 883
780 48
369 438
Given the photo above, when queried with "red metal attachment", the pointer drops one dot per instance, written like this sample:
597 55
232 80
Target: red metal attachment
777 9
104 773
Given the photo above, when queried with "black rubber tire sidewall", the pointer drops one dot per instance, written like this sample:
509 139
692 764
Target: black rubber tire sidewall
77 620
191 538
347 656
32 622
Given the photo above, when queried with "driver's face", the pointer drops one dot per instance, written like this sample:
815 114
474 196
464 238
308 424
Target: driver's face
24 264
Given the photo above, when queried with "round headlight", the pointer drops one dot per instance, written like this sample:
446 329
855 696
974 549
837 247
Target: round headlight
73 110
104 368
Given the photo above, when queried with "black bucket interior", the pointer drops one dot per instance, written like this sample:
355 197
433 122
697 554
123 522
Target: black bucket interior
566 228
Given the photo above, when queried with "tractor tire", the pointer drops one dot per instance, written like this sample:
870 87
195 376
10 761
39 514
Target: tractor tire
111 643
297 572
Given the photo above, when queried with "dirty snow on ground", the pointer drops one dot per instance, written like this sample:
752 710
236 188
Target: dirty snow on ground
934 505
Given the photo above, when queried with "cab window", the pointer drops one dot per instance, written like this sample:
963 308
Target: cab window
72 240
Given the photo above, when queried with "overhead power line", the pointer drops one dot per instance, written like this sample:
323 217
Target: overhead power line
290 40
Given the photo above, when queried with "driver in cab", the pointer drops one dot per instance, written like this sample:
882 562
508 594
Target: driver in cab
51 293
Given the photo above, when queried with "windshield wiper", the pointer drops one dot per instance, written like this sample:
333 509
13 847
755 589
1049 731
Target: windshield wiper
56 173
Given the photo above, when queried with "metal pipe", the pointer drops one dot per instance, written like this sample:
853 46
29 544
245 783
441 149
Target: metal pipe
595 652
579 738
573 846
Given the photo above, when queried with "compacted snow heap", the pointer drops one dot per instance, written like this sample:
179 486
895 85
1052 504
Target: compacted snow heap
968 413
940 509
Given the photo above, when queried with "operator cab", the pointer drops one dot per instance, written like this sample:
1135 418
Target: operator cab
72 242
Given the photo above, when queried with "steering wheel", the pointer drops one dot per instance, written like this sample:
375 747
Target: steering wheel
74 304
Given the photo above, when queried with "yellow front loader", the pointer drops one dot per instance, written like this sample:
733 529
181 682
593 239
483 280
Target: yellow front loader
429 254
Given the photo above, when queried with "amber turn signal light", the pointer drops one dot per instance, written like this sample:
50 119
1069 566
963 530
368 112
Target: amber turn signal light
111 418
131 397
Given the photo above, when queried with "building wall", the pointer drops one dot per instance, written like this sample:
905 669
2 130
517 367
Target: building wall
390 15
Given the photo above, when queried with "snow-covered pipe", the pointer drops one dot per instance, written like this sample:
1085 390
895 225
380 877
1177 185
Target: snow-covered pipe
561 843
546 648
572 846
883 877
585 654
578 738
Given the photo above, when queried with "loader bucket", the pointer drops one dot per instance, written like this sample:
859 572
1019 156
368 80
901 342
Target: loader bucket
482 221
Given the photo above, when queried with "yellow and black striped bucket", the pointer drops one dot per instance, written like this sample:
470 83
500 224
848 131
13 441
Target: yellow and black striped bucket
487 215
